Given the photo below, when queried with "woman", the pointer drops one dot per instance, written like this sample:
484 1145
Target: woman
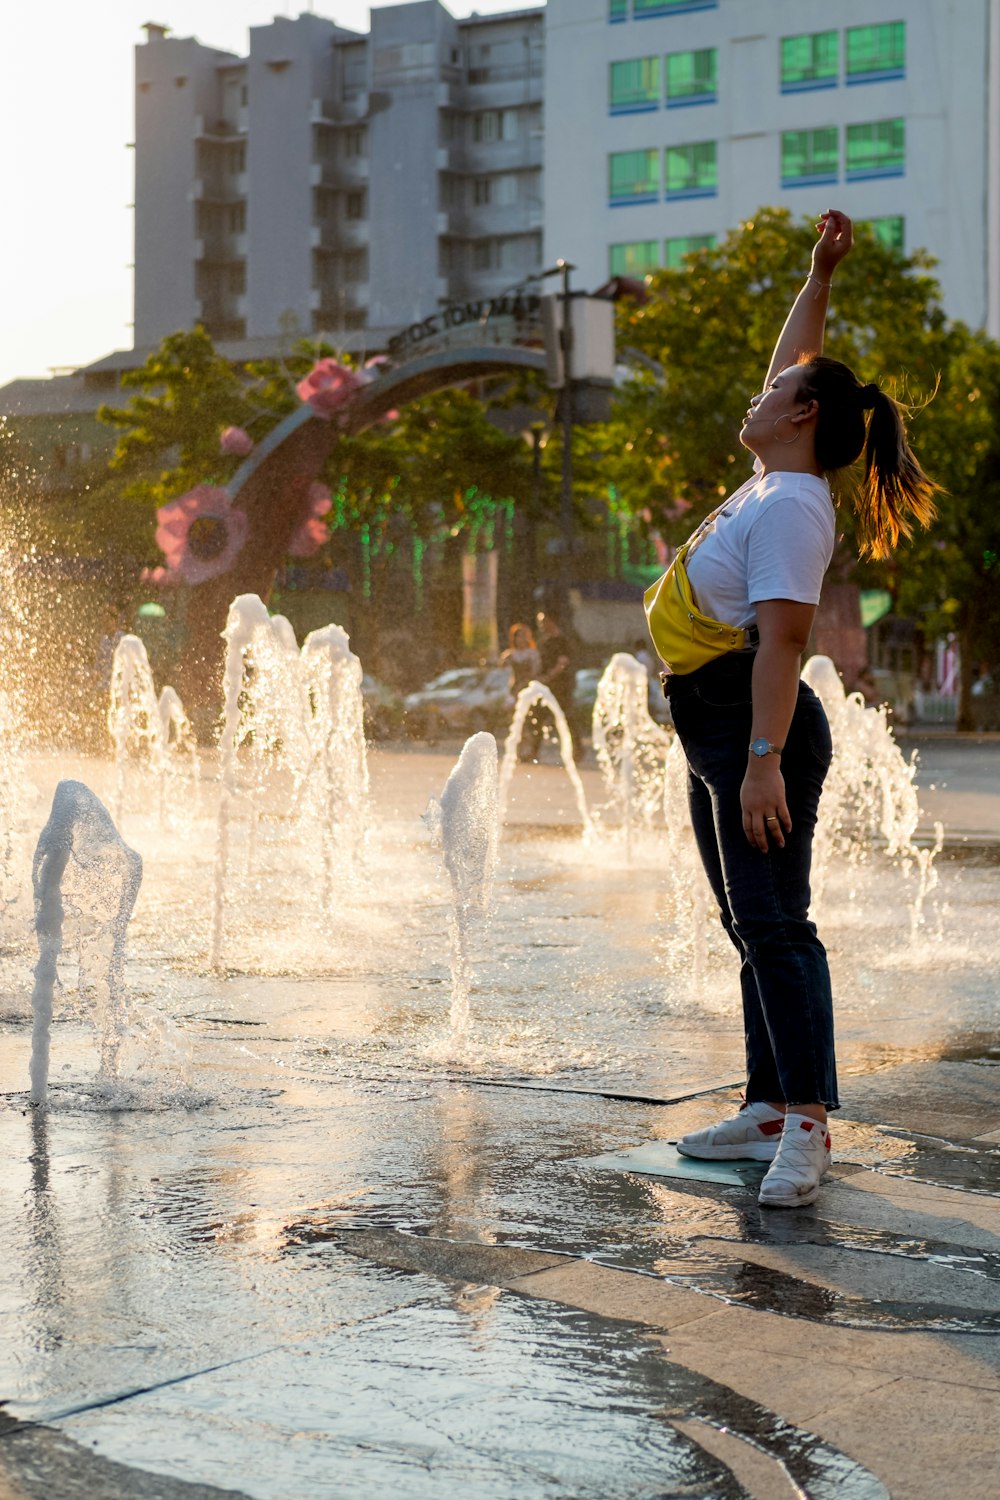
756 737
522 658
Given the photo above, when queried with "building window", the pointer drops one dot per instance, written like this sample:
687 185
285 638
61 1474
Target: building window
482 255
506 189
634 177
891 231
675 250
691 171
355 205
636 259
237 218
237 278
692 77
875 53
617 10
491 125
355 142
643 8
809 157
634 85
811 61
876 150
356 266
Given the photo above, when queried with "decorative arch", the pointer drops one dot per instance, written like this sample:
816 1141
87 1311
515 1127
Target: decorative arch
271 489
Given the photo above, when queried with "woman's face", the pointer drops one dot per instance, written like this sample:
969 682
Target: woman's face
521 641
763 424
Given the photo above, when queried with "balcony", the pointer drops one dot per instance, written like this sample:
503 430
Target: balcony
208 129
340 111
340 237
340 174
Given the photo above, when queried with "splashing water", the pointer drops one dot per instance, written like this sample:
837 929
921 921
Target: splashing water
293 735
12 799
179 763
629 745
133 714
338 784
82 864
263 729
469 834
536 694
869 794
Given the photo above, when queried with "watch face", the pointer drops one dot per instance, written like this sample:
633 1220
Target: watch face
761 747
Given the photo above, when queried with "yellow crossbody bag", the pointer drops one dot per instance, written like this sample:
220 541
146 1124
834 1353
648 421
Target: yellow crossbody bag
685 638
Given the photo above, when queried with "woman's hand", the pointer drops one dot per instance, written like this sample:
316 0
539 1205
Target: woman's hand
762 798
836 236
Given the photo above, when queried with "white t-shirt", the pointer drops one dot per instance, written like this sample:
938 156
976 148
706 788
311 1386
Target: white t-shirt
773 539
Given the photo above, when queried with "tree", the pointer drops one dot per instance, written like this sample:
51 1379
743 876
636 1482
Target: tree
706 336
949 577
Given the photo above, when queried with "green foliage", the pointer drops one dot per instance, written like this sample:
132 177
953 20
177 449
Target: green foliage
712 326
442 467
186 395
950 575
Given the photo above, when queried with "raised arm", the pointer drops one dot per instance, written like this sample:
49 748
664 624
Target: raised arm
802 334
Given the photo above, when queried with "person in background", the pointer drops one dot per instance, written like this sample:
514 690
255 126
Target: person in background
521 658
523 661
556 673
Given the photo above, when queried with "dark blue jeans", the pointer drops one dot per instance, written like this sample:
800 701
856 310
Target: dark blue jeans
763 898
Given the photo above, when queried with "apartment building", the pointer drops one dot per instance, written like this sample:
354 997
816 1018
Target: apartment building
671 121
336 182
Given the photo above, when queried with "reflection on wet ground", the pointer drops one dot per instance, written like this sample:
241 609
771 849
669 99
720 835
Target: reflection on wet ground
177 1288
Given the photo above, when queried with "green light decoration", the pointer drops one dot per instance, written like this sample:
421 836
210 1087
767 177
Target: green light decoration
419 549
366 562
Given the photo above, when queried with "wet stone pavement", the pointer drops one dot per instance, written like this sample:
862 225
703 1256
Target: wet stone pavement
308 1246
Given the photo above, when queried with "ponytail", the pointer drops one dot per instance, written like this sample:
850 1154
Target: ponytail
896 492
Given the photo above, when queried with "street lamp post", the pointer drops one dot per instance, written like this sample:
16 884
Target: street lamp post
566 502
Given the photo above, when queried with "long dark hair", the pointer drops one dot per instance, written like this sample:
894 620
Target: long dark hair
895 492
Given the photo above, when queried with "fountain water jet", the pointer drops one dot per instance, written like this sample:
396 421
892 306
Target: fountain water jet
629 745
536 694
469 836
148 729
338 783
870 792
133 713
81 841
293 726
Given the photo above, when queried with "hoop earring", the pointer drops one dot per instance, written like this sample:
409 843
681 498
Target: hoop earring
785 442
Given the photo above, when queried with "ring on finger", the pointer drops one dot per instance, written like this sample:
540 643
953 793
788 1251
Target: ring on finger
771 820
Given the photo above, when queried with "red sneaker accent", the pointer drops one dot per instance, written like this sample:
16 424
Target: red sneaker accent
771 1127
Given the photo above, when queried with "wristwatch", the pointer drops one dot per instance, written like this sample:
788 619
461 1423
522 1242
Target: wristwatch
763 747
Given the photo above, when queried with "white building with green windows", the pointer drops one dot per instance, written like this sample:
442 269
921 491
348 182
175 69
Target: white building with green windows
668 122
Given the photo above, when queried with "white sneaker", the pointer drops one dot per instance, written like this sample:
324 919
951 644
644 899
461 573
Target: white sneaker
752 1135
803 1155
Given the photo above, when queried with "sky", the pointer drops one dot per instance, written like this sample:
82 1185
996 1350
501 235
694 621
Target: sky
66 95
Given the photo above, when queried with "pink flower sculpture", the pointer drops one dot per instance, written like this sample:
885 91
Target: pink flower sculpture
235 440
312 533
328 386
200 534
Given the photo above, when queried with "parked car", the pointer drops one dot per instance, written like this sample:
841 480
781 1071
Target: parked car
585 695
460 701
